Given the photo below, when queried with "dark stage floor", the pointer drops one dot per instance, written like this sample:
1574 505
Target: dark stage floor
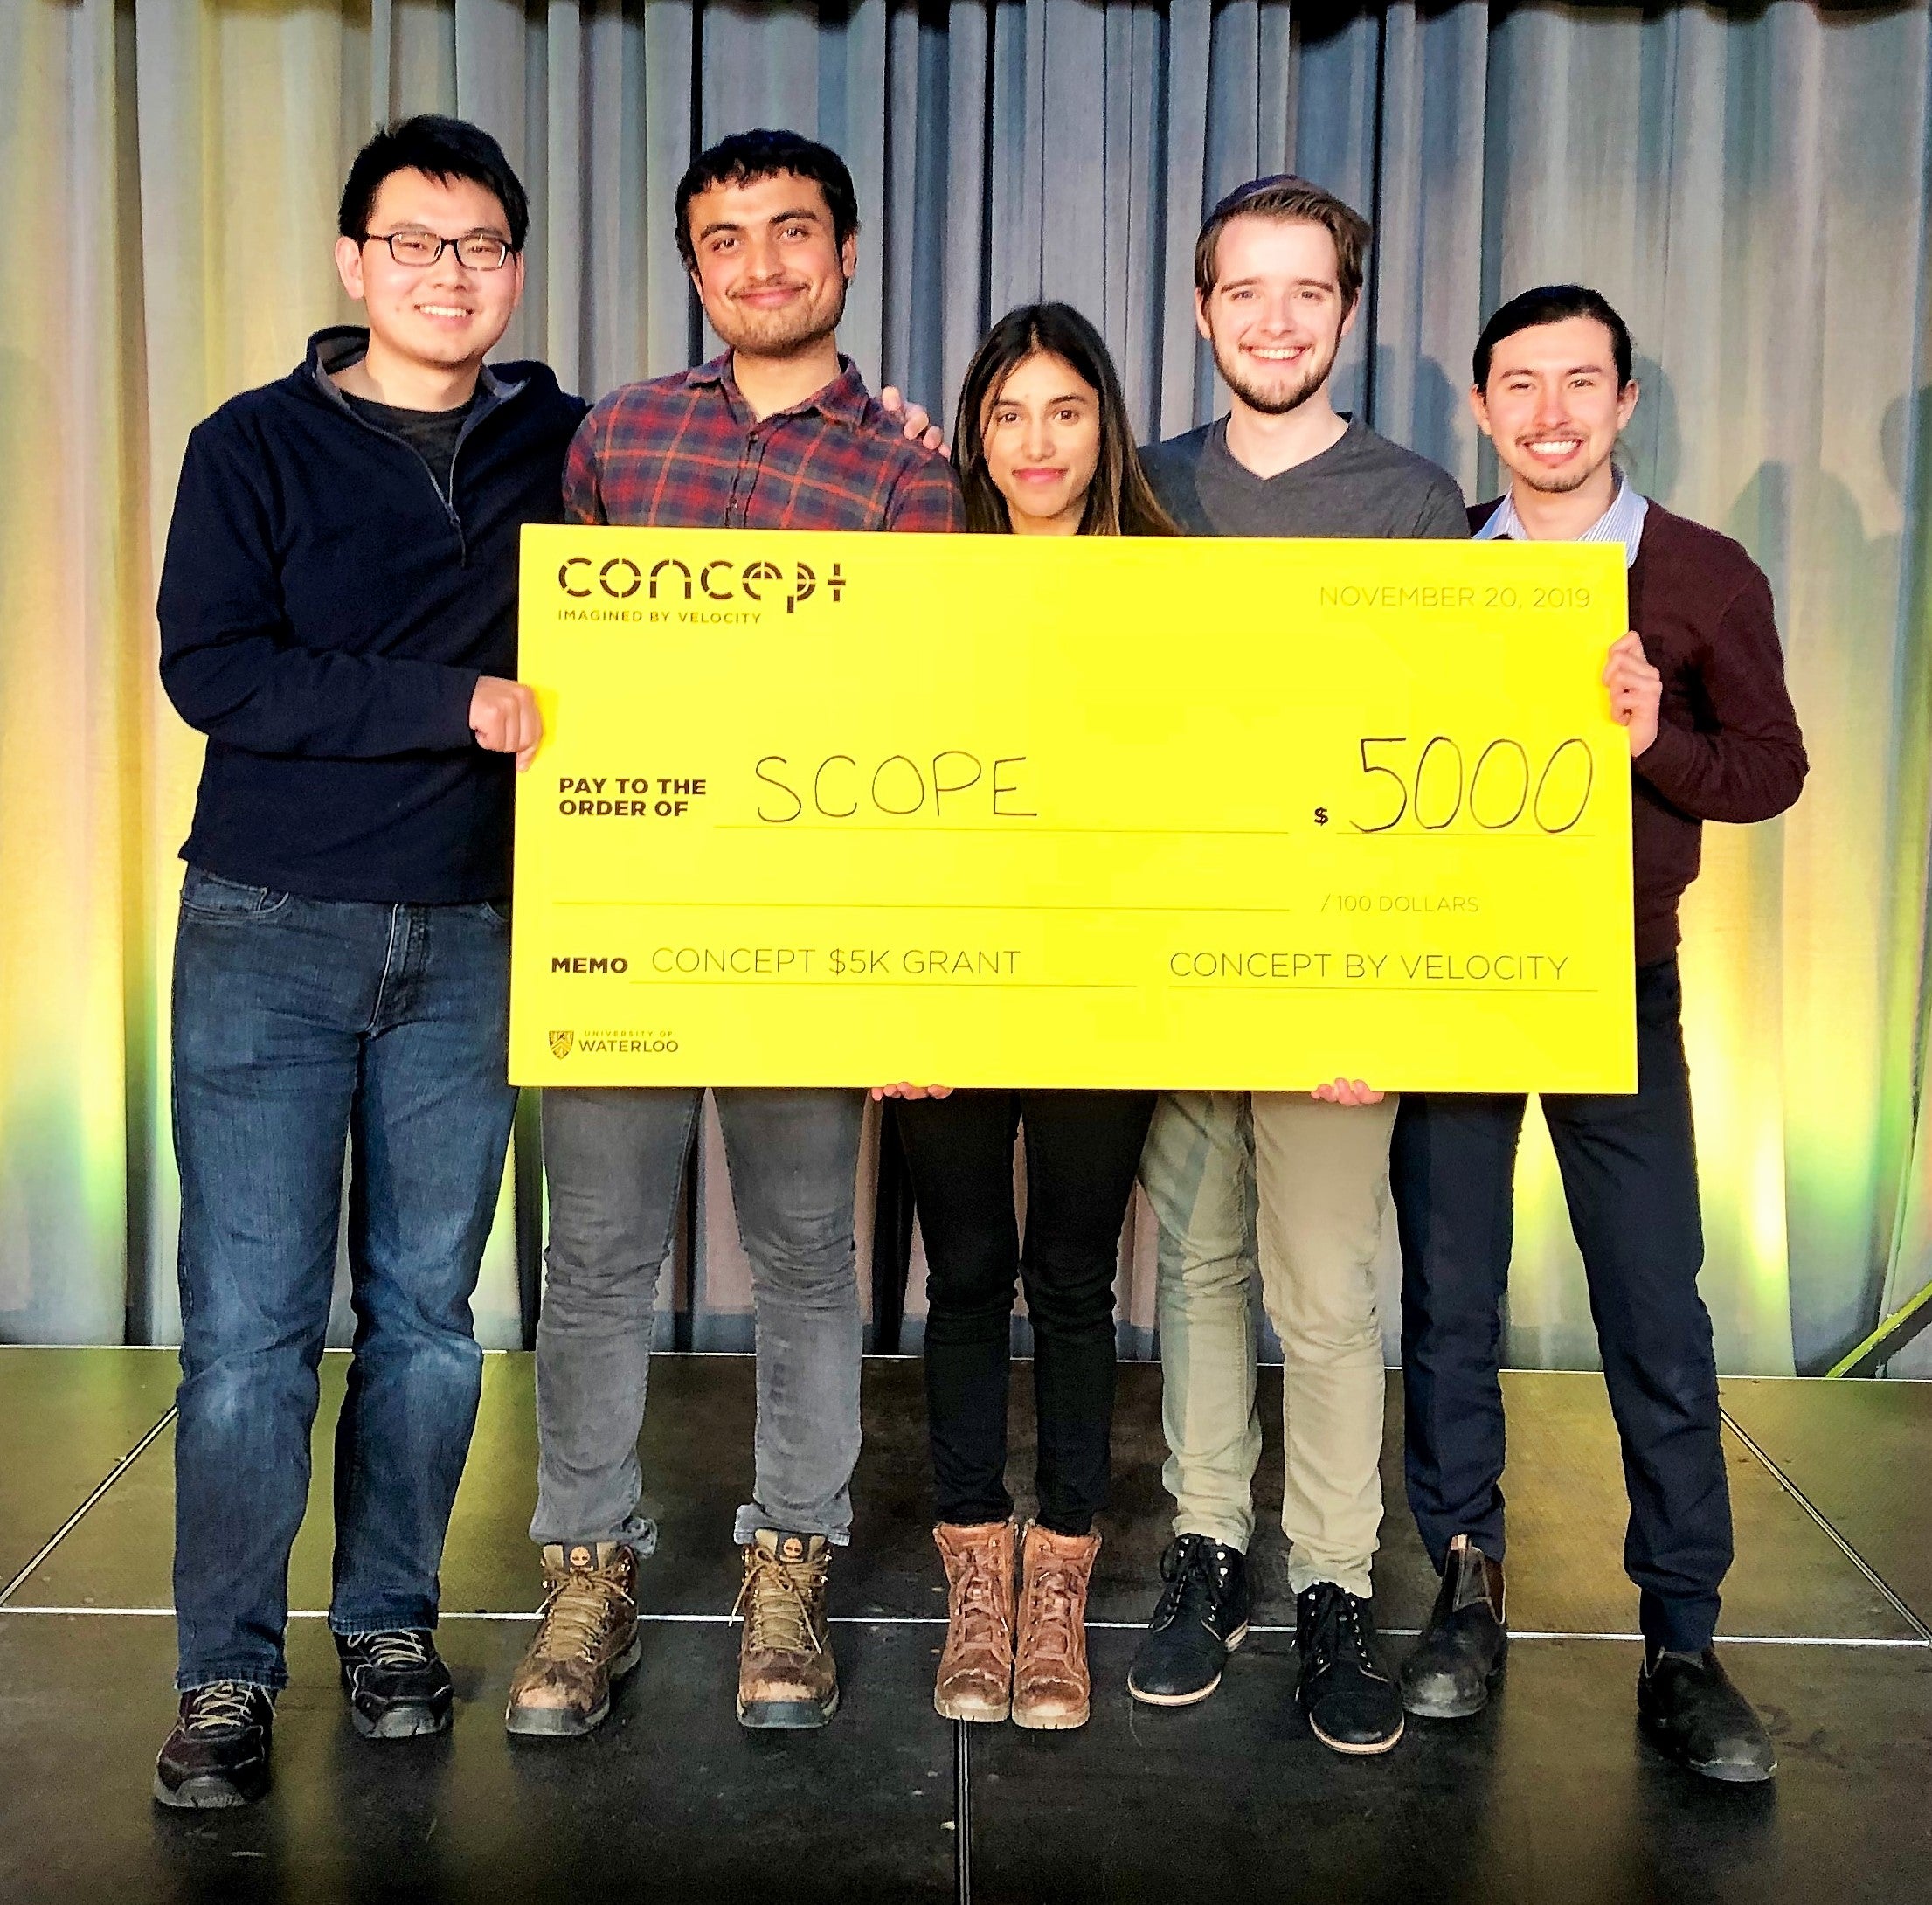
1549 1798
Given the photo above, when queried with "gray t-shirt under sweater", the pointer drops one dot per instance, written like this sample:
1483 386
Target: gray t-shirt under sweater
1361 485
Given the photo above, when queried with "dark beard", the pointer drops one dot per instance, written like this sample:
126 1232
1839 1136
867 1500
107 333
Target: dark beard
783 336
1276 403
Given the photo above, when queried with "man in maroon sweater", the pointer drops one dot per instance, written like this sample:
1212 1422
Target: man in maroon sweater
1700 685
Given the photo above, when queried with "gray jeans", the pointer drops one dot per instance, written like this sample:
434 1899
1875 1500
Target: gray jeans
614 1158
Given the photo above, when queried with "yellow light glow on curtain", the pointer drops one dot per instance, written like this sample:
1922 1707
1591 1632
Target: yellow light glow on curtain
1748 186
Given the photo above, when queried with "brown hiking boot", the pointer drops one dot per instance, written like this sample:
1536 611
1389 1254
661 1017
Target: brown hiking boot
1051 1688
786 1676
976 1670
586 1639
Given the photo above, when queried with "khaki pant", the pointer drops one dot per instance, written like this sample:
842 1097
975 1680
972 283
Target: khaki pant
1308 1183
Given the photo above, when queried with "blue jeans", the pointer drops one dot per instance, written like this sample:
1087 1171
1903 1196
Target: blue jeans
302 1027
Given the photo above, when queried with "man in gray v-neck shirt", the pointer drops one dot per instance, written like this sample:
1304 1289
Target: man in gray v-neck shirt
1361 485
1278 276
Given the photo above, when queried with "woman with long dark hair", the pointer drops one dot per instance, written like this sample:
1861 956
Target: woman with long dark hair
1080 474
1044 447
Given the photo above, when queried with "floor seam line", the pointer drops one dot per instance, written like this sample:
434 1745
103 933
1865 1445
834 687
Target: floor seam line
99 1489
1897 1603
509 1616
962 1813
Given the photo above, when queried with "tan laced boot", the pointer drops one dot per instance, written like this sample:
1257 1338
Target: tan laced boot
1051 1688
976 1670
786 1676
586 1639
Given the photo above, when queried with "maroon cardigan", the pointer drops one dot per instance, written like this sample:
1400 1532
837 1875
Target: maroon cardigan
1728 745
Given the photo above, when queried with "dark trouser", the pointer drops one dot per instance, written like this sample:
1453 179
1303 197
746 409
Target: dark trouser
302 1027
1082 1151
1629 1175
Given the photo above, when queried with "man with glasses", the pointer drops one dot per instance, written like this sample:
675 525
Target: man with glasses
338 616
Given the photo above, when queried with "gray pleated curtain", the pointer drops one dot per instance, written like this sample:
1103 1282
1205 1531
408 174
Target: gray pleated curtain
1747 184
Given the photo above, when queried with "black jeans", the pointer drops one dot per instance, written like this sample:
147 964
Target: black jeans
1082 1151
1629 1176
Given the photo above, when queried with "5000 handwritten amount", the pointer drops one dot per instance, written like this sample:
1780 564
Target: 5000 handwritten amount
1503 790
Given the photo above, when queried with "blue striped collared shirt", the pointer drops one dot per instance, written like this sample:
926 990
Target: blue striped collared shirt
1622 522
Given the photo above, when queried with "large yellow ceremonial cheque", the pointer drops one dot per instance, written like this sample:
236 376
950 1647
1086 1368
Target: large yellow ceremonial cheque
824 808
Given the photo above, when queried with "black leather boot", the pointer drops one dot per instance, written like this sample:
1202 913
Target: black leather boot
1202 1618
1689 1710
1345 1693
1449 1675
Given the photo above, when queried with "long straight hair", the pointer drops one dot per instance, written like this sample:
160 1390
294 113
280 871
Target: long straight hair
1119 500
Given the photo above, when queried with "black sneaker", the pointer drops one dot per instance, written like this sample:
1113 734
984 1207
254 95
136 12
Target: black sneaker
397 1683
1345 1693
1202 1618
218 1754
1461 1649
1689 1709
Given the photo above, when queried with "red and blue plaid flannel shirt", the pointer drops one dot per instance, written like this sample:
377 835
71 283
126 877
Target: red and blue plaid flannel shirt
684 452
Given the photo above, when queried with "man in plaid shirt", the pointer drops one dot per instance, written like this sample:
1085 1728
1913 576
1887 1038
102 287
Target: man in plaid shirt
778 433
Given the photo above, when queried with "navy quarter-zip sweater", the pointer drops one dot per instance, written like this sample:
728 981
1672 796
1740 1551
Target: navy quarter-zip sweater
325 615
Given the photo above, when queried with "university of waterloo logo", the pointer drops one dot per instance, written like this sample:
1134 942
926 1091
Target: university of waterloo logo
719 581
561 1043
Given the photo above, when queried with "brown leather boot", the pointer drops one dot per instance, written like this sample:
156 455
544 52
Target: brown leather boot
786 1676
976 1670
1051 1688
587 1639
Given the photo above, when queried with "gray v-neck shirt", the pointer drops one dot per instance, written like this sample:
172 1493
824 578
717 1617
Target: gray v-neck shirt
1361 485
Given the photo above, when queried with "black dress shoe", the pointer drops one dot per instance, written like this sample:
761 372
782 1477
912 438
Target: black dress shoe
398 1685
1202 1618
218 1754
1689 1709
1345 1692
1461 1651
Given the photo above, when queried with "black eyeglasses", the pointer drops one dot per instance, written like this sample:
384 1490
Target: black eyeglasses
478 251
